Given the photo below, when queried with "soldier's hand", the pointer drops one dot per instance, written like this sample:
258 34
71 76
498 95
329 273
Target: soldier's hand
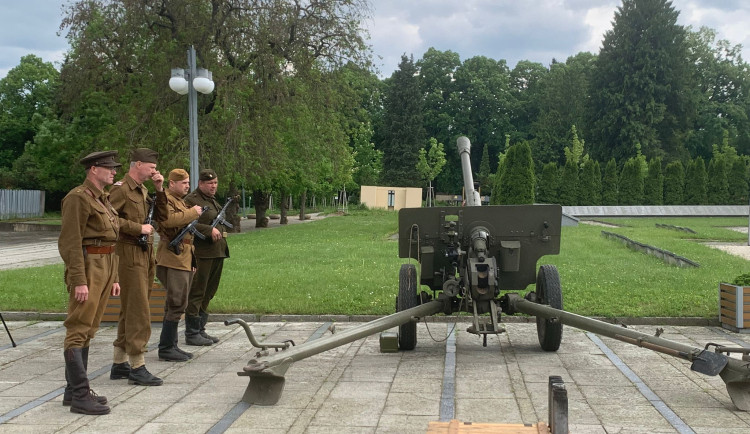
81 293
146 229
158 180
215 234
115 289
199 209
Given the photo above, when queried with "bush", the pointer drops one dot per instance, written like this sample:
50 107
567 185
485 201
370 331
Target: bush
653 187
609 183
631 184
517 179
674 182
695 182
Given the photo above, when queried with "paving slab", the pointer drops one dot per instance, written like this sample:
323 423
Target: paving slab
356 389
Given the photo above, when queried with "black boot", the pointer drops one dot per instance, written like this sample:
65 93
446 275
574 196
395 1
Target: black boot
204 320
167 349
193 330
68 395
119 371
189 355
82 400
142 377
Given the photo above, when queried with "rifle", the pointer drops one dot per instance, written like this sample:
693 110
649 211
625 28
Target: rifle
221 217
143 239
176 244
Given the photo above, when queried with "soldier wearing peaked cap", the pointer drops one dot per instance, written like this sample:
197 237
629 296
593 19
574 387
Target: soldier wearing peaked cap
210 254
88 234
137 267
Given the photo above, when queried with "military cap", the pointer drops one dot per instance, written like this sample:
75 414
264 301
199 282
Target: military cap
100 159
207 175
178 175
144 155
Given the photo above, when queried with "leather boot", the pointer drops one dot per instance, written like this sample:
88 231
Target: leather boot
176 335
167 349
141 377
82 400
204 320
68 395
119 371
193 330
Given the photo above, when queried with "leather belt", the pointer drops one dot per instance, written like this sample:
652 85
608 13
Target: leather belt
100 250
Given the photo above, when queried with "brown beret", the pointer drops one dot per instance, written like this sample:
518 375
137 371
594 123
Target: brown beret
144 155
100 159
178 175
207 175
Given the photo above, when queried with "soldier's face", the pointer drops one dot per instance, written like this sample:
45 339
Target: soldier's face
180 188
208 187
105 175
145 171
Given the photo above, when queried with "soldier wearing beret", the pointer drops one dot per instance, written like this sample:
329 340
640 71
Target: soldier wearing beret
88 234
210 254
175 268
137 267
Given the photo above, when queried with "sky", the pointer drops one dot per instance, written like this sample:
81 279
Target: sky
535 30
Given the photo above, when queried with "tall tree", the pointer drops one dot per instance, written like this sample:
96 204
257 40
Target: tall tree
590 184
430 164
548 184
641 85
609 183
718 185
674 183
517 183
403 125
27 90
653 186
630 190
738 189
696 182
569 184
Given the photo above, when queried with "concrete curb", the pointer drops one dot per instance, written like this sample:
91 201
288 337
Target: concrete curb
221 317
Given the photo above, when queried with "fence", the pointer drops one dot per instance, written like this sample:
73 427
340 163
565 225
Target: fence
21 203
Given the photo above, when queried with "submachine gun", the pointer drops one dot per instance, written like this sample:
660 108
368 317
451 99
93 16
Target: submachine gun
176 244
143 239
470 257
221 217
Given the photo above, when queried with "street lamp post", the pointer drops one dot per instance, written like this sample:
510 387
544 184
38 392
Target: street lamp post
190 81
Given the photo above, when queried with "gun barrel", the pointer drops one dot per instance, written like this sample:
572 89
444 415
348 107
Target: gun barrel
464 151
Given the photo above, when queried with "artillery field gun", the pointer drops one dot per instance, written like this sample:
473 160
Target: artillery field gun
470 258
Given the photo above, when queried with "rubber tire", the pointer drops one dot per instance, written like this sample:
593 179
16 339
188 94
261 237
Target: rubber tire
549 292
407 299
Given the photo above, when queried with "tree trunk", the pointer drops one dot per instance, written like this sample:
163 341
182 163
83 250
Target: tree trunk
233 210
284 208
302 201
260 199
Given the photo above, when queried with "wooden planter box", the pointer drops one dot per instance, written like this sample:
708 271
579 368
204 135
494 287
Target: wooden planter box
734 307
155 300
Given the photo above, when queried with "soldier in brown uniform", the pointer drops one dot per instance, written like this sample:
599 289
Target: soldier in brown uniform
87 245
175 268
210 254
137 268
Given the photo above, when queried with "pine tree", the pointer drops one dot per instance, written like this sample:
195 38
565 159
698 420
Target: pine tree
404 133
569 184
653 187
738 191
517 183
718 187
609 183
696 180
590 187
631 183
548 184
674 183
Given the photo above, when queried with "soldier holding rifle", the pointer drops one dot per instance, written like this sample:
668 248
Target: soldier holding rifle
88 234
175 264
210 254
137 268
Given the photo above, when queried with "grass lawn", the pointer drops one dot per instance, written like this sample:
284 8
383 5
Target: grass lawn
349 265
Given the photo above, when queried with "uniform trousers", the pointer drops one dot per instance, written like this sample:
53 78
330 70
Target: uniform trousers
137 271
204 286
177 283
83 319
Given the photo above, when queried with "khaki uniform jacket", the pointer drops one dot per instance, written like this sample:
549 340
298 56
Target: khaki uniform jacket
178 216
132 202
88 218
208 248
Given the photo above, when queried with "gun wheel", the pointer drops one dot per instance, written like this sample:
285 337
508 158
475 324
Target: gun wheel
549 292
407 299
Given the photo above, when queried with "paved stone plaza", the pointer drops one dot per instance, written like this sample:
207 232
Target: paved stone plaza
355 388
